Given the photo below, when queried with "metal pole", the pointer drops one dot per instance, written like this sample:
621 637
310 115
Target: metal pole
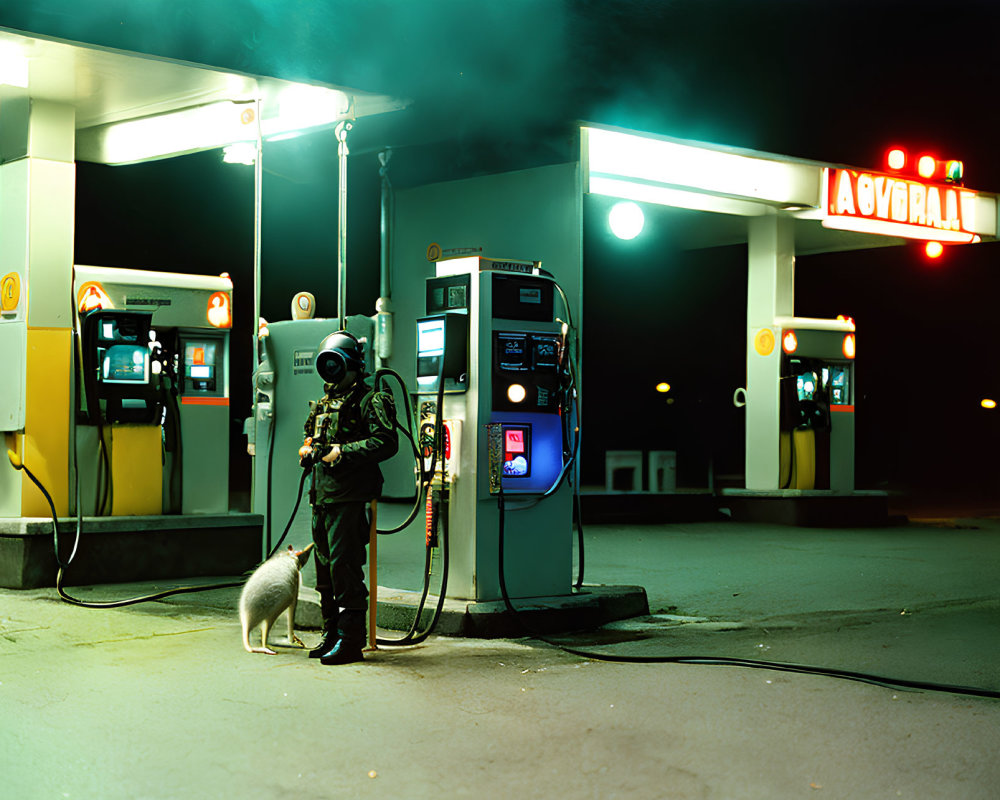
383 306
258 186
342 153
373 575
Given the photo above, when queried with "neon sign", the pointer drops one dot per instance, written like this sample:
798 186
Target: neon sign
870 202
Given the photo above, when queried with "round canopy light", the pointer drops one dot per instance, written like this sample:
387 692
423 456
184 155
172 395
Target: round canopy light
626 220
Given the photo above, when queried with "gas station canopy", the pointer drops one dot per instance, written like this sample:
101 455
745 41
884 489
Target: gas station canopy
131 108
834 207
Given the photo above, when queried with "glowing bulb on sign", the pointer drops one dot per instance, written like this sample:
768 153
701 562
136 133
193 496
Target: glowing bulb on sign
896 158
934 249
926 166
626 220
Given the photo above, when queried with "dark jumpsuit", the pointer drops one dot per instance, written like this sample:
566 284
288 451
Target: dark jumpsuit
363 424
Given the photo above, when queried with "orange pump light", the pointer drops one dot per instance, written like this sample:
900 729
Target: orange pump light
92 297
789 341
219 313
849 346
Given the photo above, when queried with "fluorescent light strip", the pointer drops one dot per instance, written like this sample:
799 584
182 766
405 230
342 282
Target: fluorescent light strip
677 198
189 130
702 168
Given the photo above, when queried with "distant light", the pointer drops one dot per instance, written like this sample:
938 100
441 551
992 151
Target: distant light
663 387
896 158
849 346
926 166
934 249
789 342
988 403
626 220
516 393
240 153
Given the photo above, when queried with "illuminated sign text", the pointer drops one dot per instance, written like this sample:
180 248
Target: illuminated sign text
874 203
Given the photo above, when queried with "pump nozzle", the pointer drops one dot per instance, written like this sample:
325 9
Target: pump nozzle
15 459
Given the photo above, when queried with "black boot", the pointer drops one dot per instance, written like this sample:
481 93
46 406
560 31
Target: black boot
329 608
330 637
347 648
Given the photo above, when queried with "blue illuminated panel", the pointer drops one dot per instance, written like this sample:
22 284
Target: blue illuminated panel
540 436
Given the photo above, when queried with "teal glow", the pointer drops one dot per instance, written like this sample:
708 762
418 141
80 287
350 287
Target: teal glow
626 220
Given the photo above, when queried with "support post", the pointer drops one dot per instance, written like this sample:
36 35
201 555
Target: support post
37 200
770 294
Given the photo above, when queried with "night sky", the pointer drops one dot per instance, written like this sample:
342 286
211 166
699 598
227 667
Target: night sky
498 85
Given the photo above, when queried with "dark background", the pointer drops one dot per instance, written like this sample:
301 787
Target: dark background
498 85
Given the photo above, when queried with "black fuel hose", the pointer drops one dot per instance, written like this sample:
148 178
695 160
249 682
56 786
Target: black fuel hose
411 637
18 464
863 677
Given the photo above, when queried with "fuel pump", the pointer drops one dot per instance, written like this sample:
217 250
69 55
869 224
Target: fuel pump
817 404
492 333
153 365
148 432
123 403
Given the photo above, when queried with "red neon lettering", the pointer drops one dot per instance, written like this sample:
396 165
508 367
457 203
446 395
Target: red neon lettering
889 199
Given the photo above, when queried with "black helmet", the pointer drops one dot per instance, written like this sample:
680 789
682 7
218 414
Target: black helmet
340 361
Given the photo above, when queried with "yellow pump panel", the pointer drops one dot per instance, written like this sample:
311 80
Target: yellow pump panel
804 459
46 420
136 470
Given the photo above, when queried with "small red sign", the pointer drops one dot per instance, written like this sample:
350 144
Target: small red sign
514 441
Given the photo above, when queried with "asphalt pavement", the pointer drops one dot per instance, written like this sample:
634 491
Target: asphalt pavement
159 700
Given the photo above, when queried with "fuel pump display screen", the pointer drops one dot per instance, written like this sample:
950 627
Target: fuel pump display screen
526 371
840 386
200 365
517 451
512 351
123 351
125 363
806 384
544 352
442 346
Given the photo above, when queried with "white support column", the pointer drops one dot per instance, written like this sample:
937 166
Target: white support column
37 199
770 293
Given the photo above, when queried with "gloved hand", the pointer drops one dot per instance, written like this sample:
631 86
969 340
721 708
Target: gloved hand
306 454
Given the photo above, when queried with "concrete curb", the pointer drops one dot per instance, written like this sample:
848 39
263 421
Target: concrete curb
587 608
